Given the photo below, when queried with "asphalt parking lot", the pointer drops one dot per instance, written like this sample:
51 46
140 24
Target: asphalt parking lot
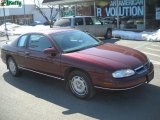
35 97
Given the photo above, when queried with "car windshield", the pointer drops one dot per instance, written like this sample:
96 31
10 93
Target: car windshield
75 40
63 22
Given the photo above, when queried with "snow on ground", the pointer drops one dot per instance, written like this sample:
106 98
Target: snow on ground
14 29
26 29
130 35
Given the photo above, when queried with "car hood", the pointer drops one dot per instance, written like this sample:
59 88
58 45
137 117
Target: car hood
111 55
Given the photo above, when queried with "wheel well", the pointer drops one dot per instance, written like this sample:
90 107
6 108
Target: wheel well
7 57
106 35
69 70
109 29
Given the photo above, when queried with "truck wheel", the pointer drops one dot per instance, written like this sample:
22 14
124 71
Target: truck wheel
108 34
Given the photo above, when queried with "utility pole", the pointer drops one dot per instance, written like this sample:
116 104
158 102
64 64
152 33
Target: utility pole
4 14
118 14
24 12
144 19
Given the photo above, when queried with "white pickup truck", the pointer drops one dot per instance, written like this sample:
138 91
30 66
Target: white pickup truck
88 24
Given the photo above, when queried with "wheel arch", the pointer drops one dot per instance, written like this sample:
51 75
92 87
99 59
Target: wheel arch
7 57
109 29
71 69
106 34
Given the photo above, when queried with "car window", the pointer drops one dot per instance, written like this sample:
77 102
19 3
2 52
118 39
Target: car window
96 21
70 41
79 21
88 21
22 41
39 42
63 22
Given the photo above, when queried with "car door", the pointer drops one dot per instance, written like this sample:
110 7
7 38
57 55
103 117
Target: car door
89 25
21 48
37 60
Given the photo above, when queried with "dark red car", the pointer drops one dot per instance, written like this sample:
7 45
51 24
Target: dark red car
84 62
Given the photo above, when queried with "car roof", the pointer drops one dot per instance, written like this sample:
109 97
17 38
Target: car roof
52 30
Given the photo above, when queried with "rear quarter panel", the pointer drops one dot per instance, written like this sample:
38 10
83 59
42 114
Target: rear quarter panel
8 50
3 55
100 30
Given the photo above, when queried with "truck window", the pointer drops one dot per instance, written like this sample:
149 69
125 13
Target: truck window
88 21
63 22
96 21
79 21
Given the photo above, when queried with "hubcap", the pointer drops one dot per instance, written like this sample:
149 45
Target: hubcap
79 85
12 66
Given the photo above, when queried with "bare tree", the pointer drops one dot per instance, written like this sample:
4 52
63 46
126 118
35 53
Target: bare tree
52 15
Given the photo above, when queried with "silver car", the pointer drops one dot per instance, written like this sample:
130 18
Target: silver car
88 24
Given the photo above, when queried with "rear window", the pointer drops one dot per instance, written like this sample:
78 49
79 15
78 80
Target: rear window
63 22
22 41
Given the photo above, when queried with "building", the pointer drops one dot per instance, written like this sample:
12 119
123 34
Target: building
125 14
19 15
25 14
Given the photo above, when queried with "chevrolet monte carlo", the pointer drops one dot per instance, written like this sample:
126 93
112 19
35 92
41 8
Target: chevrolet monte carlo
82 61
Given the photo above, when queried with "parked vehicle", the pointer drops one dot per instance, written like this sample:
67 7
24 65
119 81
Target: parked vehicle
34 23
87 24
81 60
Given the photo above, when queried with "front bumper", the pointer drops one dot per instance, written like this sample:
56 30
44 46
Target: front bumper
129 82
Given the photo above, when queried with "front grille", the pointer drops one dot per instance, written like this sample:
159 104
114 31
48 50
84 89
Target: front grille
142 68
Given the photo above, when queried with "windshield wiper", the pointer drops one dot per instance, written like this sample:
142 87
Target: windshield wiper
100 43
83 48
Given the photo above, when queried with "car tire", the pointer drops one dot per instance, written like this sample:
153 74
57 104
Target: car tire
80 85
12 66
108 34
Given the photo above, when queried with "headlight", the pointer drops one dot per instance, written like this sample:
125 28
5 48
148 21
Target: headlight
123 73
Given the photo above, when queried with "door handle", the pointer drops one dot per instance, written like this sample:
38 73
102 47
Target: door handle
27 53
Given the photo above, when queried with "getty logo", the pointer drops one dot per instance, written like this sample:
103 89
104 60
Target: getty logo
10 3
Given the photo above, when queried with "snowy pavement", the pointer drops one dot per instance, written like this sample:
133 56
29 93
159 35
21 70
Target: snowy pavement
14 29
145 36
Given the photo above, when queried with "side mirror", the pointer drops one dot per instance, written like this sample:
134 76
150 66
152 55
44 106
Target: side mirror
51 51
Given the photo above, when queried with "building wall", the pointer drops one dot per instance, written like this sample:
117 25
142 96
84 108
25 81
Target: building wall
132 13
2 13
20 11
152 18
16 15
38 17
